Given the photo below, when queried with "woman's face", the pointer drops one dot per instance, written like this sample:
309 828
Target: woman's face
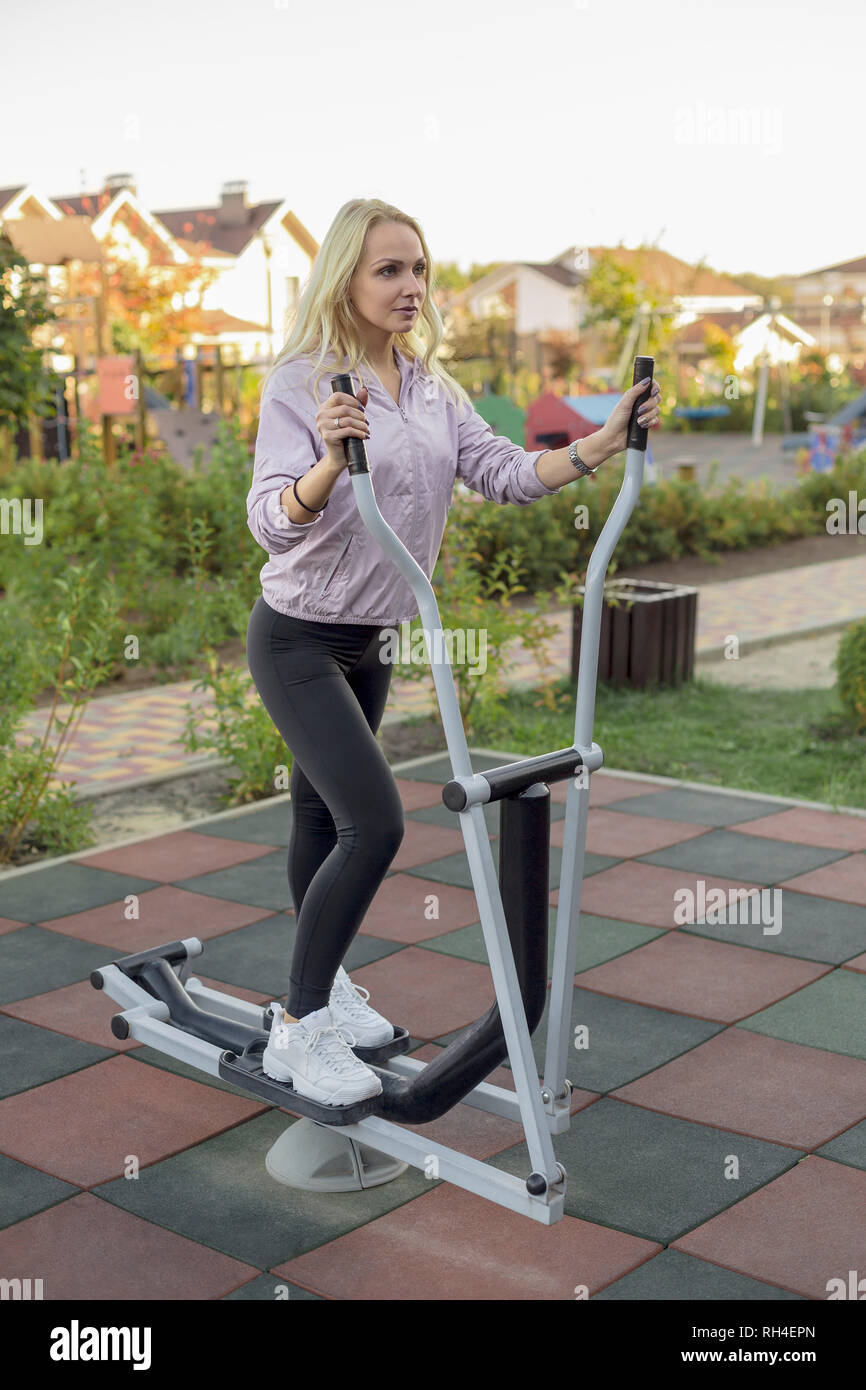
391 276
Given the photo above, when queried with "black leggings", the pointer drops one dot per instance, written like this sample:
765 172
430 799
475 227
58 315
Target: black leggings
325 689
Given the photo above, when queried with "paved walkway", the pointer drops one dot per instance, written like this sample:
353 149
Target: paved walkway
717 1148
124 738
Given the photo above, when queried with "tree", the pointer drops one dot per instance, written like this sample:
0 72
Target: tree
25 386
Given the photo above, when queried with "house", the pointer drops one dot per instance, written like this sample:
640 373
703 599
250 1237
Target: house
539 299
261 251
831 303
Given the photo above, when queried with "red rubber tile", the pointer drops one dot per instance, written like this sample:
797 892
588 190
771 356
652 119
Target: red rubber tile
80 1011
643 892
480 1133
176 913
422 843
7 924
858 963
826 829
181 854
400 910
606 787
88 1249
760 1086
798 1232
81 1127
845 881
416 796
427 992
452 1245
707 979
622 836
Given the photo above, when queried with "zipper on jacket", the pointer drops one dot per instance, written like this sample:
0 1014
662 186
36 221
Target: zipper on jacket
335 567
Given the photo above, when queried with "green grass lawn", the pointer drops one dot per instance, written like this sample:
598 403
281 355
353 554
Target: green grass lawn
792 743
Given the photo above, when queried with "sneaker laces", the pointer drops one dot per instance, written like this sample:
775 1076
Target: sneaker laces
352 998
335 1047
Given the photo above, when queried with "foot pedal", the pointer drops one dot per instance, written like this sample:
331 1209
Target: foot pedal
401 1042
246 1071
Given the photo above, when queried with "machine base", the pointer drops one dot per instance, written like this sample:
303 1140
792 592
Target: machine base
314 1158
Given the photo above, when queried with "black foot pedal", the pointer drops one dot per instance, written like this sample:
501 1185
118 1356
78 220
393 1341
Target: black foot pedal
401 1042
246 1071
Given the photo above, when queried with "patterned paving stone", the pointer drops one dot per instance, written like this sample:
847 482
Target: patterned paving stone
674 1276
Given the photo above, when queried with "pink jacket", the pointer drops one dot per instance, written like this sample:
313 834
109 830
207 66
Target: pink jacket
330 569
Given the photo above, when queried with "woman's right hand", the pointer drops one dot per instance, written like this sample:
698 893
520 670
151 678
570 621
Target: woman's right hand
349 410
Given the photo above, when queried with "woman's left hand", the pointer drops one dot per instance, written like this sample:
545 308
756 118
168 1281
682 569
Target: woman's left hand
614 433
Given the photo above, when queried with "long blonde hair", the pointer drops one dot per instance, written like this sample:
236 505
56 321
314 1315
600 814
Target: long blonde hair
325 319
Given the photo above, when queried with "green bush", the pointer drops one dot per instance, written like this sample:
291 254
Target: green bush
850 666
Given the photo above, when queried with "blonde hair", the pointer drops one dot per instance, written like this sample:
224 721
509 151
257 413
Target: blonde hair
325 319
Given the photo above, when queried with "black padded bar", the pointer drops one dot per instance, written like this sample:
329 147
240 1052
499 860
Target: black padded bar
513 778
172 951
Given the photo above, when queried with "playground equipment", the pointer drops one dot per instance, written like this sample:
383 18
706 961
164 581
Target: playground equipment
361 1145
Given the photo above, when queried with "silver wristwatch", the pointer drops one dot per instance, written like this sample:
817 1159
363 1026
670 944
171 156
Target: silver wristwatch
578 462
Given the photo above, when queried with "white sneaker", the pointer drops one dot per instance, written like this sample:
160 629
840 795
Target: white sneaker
316 1058
349 1010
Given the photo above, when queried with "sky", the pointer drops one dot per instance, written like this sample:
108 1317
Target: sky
510 129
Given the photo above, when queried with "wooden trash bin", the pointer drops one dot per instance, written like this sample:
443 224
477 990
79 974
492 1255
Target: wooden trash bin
647 634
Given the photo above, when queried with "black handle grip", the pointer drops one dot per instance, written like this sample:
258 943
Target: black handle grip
353 447
637 435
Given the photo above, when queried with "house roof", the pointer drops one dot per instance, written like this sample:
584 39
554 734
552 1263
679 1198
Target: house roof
7 194
669 274
53 242
855 267
203 224
218 321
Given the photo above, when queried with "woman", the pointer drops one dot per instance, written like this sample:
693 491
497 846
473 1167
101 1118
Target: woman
328 591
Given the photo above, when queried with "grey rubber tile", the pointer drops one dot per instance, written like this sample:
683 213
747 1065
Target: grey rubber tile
24 1191
849 1147
812 928
454 868
269 1289
698 808
678 1277
34 961
220 1193
258 957
271 825
599 939
260 882
829 1013
33 1055
746 858
624 1040
652 1175
64 889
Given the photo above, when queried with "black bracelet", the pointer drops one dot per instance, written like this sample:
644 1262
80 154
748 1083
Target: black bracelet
303 504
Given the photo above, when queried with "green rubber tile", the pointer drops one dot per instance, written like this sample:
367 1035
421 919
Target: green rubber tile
454 868
624 1040
258 957
269 1289
829 1013
64 889
220 1194
598 939
651 1175
675 1276
34 961
820 929
271 825
260 882
745 858
32 1055
849 1147
697 808
24 1191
